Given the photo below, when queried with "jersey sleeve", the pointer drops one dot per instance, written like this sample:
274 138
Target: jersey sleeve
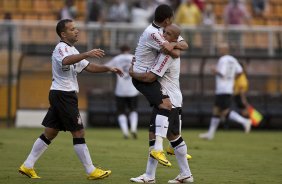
161 65
156 40
81 65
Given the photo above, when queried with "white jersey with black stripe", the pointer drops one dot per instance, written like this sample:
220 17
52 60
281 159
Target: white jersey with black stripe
124 86
227 67
168 70
65 76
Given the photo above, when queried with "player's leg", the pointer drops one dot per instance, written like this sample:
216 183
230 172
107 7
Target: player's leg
179 146
133 115
222 102
122 118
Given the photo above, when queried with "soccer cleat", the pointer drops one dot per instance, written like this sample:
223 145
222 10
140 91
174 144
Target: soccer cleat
170 151
99 174
206 136
182 179
248 126
29 172
142 179
160 157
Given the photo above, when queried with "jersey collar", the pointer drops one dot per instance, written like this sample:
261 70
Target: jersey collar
66 43
155 25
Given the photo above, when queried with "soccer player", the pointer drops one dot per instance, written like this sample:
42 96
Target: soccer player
126 94
150 44
63 113
227 69
167 70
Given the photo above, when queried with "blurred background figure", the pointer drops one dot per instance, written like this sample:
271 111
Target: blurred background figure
259 7
139 15
95 11
188 13
126 94
69 11
227 69
235 14
118 11
241 87
200 4
208 21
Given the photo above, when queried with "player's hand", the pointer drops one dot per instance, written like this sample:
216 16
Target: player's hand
98 53
117 71
167 47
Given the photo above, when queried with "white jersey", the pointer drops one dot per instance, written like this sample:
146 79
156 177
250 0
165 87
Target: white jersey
148 48
228 67
124 86
65 76
168 70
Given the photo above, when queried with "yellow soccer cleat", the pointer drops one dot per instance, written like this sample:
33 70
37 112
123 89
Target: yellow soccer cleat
170 151
160 157
99 174
29 172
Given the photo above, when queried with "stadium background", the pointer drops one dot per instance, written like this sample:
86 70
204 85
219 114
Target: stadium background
28 39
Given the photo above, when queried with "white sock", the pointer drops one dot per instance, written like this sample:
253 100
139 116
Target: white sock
122 120
37 150
238 118
84 157
152 165
133 118
180 154
213 125
158 143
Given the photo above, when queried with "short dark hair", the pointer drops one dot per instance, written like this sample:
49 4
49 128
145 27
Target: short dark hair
61 26
124 48
163 12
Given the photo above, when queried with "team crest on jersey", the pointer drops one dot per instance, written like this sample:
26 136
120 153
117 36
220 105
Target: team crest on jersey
61 52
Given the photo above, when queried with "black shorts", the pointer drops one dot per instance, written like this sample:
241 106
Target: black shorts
124 103
174 120
223 101
152 91
63 113
238 102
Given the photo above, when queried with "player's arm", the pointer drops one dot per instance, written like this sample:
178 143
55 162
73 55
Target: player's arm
143 77
96 68
72 59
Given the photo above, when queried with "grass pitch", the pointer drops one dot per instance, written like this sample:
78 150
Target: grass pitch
232 157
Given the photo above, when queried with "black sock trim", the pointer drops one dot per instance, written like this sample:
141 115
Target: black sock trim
43 138
163 112
152 142
177 142
78 141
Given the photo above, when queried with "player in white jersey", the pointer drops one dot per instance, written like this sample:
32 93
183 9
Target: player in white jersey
150 44
227 69
126 94
167 71
63 113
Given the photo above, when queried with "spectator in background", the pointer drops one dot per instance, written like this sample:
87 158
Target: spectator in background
235 14
69 11
118 12
126 94
259 7
208 21
188 14
200 4
139 15
95 11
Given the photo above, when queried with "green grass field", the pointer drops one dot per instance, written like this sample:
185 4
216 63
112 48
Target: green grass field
232 157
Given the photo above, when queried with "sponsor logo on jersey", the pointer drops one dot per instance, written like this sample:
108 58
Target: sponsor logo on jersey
163 63
156 39
61 52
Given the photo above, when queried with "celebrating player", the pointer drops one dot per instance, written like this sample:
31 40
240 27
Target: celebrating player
63 113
